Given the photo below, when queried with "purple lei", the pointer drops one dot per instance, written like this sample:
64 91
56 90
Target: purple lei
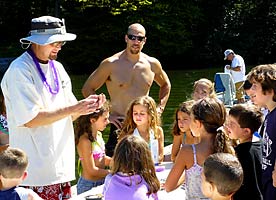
44 80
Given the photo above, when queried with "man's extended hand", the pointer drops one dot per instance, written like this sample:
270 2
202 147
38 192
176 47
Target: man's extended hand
91 103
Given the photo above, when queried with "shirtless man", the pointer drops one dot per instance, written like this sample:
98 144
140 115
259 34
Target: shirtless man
127 75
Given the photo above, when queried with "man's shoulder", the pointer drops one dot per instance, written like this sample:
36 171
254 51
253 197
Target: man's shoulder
115 57
20 65
238 57
111 62
150 59
20 60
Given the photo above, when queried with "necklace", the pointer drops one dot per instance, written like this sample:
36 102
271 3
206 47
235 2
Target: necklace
42 75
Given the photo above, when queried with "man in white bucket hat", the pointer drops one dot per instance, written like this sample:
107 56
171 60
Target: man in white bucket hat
46 30
41 107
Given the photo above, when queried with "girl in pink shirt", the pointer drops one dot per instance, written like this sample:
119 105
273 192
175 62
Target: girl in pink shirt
91 149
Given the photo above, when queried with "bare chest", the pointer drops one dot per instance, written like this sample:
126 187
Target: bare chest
127 75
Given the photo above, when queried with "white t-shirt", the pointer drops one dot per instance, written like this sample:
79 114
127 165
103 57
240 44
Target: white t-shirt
50 148
238 76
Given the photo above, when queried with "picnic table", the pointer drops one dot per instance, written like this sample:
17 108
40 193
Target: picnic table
162 194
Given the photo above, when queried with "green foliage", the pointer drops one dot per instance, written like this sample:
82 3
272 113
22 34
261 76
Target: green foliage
193 33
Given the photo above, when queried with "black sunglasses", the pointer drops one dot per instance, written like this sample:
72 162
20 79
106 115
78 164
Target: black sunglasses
134 37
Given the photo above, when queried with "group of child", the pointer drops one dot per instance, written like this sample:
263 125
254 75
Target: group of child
217 154
207 117
133 161
243 129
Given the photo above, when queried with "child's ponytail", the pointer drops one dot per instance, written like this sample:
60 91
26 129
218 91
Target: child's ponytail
221 143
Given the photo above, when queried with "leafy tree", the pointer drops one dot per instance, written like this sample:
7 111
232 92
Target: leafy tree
192 32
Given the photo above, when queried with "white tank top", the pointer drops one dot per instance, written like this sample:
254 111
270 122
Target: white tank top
153 145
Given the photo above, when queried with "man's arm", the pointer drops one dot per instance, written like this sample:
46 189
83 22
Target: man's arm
97 78
236 69
162 79
237 63
83 107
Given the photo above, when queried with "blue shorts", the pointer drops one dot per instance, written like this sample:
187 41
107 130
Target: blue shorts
84 185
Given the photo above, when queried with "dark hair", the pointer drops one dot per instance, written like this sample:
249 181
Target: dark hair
183 107
211 113
248 116
132 156
83 124
2 103
224 171
247 85
266 76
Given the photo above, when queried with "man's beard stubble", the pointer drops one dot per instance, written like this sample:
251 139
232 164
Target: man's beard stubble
134 50
52 57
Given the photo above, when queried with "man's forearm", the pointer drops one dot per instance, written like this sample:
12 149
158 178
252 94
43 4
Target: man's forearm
48 117
236 69
164 94
83 107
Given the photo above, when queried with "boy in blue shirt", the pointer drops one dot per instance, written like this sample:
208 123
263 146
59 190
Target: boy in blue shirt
263 94
13 164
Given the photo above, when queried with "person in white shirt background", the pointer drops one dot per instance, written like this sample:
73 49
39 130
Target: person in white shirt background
237 70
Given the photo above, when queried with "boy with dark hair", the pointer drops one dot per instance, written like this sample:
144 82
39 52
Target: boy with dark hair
263 94
244 120
222 176
13 164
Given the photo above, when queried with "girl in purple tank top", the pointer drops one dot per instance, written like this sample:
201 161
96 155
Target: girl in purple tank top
133 174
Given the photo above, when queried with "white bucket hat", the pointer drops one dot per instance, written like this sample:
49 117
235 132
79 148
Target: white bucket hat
227 52
46 30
